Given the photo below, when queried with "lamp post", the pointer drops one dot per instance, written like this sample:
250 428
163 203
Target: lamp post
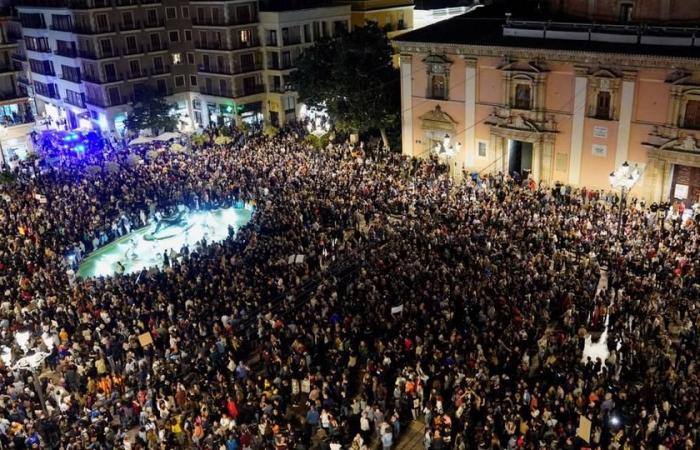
624 178
448 150
31 361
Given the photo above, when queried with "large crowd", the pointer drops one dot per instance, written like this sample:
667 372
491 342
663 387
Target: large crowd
463 305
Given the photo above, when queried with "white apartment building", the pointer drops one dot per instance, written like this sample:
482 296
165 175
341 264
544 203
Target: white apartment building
86 61
285 34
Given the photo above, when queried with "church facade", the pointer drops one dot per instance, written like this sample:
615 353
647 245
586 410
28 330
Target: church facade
564 100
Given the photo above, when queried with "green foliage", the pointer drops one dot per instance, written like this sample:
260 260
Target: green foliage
198 139
6 177
270 131
151 112
353 77
318 142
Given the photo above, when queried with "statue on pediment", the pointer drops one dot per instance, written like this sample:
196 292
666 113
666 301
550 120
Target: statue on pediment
688 143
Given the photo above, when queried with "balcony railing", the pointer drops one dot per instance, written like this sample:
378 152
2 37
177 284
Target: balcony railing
135 25
12 36
154 23
218 45
67 52
33 24
292 40
44 72
106 103
224 70
89 29
91 54
96 79
159 70
79 102
280 66
7 68
70 77
39 49
90 4
19 57
62 27
157 48
248 68
222 22
250 90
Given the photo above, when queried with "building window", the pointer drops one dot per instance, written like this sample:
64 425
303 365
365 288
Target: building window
522 96
177 58
626 12
692 115
482 150
174 36
190 58
135 67
602 107
193 80
186 12
438 87
246 37
171 12
438 76
179 81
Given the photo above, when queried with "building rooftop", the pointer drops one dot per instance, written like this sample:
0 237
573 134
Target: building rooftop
489 26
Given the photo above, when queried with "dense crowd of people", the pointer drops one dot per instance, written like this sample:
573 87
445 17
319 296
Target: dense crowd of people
462 305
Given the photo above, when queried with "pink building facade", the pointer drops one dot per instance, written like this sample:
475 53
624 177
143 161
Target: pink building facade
562 102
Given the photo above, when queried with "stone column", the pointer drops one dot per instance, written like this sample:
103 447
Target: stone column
406 105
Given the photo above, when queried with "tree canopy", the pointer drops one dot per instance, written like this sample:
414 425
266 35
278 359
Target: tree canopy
151 112
353 78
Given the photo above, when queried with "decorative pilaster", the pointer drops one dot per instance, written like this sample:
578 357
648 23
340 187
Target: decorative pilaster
624 124
577 125
469 148
547 157
406 105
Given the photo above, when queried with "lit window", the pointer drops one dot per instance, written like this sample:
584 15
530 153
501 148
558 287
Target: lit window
438 87
177 58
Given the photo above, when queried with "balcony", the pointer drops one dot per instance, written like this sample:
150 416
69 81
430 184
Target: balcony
284 65
39 49
70 77
67 52
102 103
91 54
222 46
6 68
157 47
224 70
85 29
67 27
159 70
248 68
44 72
222 22
19 57
159 23
250 90
135 25
12 95
79 102
96 79
12 36
90 4
119 3
293 40
33 24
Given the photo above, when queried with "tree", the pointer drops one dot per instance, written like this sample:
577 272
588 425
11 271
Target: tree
353 78
151 112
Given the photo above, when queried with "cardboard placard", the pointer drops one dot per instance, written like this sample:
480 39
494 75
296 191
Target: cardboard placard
397 309
305 386
145 339
584 428
295 387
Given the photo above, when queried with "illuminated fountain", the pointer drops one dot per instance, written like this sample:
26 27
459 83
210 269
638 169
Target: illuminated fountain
146 247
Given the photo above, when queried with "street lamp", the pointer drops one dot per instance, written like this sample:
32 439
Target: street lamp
31 361
624 178
447 150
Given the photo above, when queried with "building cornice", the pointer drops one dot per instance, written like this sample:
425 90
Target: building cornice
574 56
